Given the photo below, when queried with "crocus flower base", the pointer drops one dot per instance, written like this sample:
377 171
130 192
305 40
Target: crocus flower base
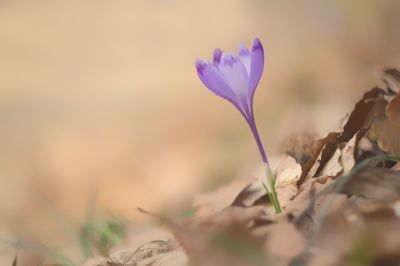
269 187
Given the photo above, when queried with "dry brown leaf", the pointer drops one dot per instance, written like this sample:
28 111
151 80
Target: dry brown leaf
386 134
379 237
347 159
286 194
252 194
214 240
122 258
284 242
361 205
209 203
392 110
141 255
313 163
333 241
302 207
287 174
333 167
383 130
173 258
379 184
341 241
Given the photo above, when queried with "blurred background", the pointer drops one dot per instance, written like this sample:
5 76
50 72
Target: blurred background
101 109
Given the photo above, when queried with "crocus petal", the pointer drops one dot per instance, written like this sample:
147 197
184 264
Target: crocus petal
256 66
235 75
217 57
244 55
213 80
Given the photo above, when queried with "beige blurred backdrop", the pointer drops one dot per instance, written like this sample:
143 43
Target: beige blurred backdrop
103 95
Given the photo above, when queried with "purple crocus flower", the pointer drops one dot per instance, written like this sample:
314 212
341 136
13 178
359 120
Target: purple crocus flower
235 78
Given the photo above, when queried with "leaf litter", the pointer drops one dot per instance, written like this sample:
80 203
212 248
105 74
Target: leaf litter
340 197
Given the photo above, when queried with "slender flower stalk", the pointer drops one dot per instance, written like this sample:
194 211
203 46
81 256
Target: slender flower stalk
235 78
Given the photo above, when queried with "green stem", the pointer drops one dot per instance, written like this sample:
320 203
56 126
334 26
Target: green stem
270 189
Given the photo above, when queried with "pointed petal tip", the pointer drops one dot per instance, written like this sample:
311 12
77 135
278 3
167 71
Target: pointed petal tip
243 51
217 56
256 65
257 44
200 64
217 52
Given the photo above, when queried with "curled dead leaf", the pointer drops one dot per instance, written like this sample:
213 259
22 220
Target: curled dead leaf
252 194
392 110
287 172
310 167
359 119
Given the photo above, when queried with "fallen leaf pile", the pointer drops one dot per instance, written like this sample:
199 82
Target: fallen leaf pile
340 199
